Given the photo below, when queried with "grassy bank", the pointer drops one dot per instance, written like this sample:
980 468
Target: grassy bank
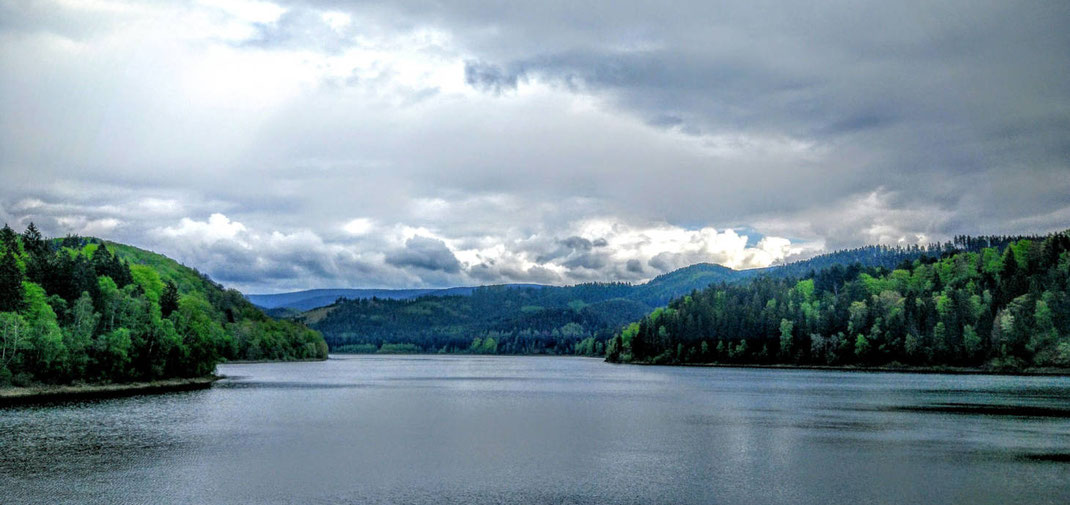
38 394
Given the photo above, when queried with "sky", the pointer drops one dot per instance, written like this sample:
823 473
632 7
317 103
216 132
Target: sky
289 145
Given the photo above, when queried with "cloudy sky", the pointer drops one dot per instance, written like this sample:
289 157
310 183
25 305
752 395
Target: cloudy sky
297 144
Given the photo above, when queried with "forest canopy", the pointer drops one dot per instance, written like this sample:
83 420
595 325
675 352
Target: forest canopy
1005 306
584 319
77 310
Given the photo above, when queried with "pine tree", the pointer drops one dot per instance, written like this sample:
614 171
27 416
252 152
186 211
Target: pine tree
101 261
10 283
9 238
169 299
37 267
33 243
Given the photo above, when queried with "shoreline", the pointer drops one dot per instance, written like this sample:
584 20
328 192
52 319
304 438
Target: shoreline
258 361
12 396
949 370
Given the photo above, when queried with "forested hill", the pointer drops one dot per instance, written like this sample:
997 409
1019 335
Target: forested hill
569 319
315 298
1005 307
504 319
657 292
889 256
84 310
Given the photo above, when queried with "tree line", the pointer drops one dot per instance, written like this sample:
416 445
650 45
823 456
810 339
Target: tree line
492 320
73 310
576 319
998 302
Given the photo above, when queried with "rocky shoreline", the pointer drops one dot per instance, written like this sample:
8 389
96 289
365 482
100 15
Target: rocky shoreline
39 394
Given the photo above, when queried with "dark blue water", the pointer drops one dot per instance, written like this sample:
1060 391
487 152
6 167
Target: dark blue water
505 430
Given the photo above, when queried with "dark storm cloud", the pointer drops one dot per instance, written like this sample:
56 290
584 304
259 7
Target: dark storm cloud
577 243
490 273
428 143
900 95
576 248
589 261
425 253
489 77
663 262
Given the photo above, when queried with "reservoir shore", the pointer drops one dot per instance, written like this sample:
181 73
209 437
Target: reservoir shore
39 394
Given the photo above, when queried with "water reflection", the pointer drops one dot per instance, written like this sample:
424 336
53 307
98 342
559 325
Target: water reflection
548 430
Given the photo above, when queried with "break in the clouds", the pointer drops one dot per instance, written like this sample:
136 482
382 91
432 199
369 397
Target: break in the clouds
294 144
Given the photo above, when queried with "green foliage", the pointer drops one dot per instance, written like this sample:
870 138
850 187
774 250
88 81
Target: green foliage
86 314
786 327
398 349
999 303
10 280
479 346
805 289
556 319
971 342
169 299
151 283
862 347
357 349
519 320
14 341
589 347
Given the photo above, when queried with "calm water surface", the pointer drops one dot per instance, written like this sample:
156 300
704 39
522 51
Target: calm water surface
505 430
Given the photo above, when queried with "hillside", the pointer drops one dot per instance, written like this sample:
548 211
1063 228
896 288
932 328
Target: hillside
517 318
568 319
657 292
1004 307
315 298
84 310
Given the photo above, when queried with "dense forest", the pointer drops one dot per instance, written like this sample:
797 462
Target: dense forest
992 301
507 319
79 309
492 320
564 319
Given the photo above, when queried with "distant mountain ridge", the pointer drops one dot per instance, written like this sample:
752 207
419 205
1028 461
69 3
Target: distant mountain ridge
565 319
524 319
656 292
315 298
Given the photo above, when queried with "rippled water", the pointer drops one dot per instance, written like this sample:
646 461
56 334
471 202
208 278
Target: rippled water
503 430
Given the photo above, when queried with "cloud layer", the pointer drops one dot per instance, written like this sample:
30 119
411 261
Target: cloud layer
292 144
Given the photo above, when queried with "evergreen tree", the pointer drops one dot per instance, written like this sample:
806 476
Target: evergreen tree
74 321
10 283
33 243
9 239
1002 308
169 299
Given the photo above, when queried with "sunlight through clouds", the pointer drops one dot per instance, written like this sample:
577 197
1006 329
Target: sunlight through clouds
536 143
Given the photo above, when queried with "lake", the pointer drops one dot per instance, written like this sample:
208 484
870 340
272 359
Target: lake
522 430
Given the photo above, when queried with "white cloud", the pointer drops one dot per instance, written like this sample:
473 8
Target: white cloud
337 20
874 217
217 227
160 205
359 226
319 138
